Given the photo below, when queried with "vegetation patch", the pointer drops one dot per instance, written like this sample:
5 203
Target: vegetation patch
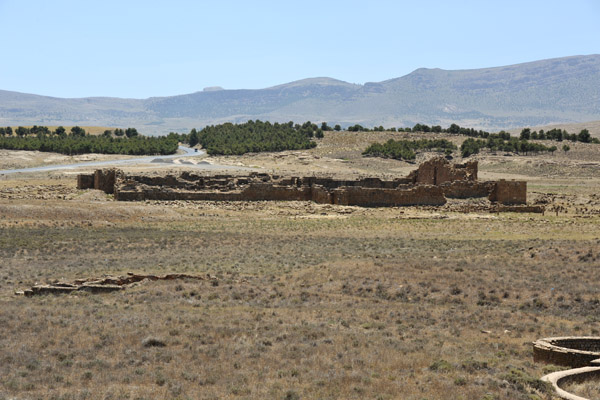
255 136
406 149
497 143
77 141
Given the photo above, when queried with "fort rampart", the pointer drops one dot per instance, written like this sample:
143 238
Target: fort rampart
431 184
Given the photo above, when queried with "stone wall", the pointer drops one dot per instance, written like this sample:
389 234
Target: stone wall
433 182
466 189
437 171
509 192
105 179
567 351
85 181
369 197
101 179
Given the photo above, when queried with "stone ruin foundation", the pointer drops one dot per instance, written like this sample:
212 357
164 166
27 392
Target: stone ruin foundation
582 354
431 184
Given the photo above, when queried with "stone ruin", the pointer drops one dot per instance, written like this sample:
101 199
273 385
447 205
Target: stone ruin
431 184
106 284
582 354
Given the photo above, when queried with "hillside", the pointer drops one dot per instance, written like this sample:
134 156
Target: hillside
555 91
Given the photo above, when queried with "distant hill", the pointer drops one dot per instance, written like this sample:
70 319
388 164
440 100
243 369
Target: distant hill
555 91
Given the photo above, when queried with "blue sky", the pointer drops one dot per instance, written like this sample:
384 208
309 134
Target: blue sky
149 48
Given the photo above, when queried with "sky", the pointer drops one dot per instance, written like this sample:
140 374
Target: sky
140 49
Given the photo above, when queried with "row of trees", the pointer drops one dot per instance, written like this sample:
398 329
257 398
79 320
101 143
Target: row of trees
253 136
75 131
472 146
80 143
35 130
526 134
559 135
406 149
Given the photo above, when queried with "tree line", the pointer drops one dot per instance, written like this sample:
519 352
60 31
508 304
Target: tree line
555 134
495 143
253 136
406 149
558 135
78 141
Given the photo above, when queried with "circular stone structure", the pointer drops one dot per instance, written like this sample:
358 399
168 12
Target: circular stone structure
569 351
577 375
580 353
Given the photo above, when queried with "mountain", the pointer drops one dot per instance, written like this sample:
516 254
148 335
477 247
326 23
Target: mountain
555 91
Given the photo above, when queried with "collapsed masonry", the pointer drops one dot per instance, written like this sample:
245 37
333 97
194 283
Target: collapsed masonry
106 284
431 184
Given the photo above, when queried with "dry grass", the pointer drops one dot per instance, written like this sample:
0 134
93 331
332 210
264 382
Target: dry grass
590 390
312 301
364 304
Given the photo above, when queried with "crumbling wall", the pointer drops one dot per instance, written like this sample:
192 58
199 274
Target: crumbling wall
466 189
320 195
371 197
433 182
509 192
267 191
438 170
104 179
85 181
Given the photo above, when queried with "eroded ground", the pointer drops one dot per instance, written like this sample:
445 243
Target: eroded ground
306 301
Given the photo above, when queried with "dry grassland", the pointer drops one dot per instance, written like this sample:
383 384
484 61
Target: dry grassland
305 301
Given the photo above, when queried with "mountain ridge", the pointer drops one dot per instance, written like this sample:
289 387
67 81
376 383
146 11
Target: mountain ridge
559 90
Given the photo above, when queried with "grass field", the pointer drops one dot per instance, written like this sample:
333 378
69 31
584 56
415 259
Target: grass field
301 301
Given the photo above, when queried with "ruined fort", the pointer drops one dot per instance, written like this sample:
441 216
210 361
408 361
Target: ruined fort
431 184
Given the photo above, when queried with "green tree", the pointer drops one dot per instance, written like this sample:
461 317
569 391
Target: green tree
337 128
566 147
131 132
325 127
60 131
77 131
21 131
584 136
454 129
193 138
525 134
